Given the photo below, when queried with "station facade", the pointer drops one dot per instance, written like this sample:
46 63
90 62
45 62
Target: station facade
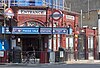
35 27
45 29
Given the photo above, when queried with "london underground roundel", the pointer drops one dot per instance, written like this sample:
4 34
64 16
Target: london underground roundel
57 15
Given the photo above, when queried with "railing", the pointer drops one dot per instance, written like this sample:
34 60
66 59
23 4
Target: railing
35 57
30 57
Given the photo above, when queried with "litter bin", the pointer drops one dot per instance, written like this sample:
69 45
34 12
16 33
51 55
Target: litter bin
17 54
57 56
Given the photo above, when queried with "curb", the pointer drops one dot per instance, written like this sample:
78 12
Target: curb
84 62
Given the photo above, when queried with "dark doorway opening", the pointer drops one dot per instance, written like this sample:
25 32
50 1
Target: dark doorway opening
30 44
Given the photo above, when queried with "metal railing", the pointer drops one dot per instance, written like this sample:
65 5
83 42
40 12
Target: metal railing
29 57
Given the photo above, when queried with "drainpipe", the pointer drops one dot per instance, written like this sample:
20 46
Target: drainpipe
52 26
99 34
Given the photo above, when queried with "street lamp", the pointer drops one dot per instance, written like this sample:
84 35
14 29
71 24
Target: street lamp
9 15
4 24
52 24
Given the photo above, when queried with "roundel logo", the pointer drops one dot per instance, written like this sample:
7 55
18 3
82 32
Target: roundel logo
57 15
9 12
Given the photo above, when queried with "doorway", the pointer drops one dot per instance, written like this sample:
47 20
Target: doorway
37 43
33 44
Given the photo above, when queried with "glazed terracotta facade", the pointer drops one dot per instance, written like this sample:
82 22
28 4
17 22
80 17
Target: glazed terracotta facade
69 19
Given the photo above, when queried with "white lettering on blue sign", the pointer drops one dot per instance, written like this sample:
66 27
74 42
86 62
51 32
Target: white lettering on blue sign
45 30
26 31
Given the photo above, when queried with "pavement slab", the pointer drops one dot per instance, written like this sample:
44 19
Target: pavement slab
84 62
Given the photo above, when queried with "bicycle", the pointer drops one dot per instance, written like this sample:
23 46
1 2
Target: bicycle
29 57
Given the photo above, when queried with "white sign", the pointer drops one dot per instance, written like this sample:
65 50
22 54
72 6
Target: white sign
52 57
61 54
37 12
1 53
70 17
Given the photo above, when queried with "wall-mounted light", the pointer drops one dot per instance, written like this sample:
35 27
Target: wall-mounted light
82 31
94 28
18 39
85 26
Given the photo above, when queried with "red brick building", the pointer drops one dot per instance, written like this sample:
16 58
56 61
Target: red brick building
45 30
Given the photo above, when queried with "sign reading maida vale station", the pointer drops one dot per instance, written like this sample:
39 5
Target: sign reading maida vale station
35 12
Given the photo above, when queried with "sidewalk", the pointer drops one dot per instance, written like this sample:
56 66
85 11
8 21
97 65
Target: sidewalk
83 62
67 62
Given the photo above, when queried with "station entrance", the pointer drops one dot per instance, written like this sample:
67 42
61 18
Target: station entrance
33 47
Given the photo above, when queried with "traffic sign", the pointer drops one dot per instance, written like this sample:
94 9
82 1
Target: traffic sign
9 12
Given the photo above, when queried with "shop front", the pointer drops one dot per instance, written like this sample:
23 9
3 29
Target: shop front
88 44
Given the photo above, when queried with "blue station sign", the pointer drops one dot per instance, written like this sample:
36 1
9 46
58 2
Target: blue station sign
34 30
24 30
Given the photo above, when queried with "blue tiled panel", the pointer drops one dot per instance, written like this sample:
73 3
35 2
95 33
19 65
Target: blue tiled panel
27 2
6 44
36 3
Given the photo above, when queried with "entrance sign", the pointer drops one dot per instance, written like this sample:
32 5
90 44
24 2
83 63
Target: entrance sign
36 12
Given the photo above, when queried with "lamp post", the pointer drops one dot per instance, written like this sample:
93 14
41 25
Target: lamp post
52 24
4 24
9 15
